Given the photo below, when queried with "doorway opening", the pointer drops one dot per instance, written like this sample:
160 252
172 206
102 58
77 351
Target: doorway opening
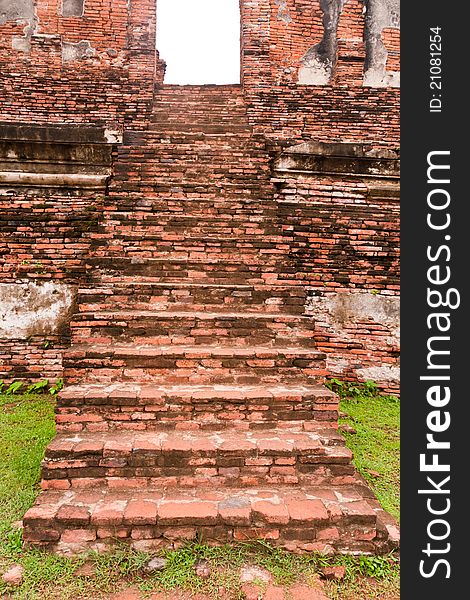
200 41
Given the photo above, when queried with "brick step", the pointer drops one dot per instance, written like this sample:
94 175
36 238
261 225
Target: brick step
200 221
268 257
229 104
193 271
182 244
344 519
205 91
177 201
193 364
192 328
209 162
195 174
243 144
190 140
197 458
229 146
197 183
156 125
230 94
194 296
122 183
146 406
221 109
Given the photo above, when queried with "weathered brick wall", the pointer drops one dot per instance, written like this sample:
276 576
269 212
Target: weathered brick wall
96 68
277 34
101 68
343 233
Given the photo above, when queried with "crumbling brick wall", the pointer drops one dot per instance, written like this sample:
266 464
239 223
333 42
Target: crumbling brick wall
58 65
96 62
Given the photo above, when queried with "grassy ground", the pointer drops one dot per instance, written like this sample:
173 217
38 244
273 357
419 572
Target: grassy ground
26 426
376 444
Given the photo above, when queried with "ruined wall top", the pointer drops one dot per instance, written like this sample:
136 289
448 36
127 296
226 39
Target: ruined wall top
97 62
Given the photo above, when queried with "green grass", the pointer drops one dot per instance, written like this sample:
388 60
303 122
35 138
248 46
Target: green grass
27 425
376 445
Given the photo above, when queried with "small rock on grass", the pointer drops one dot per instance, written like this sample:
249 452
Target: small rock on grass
251 592
334 573
86 570
14 575
203 569
250 573
155 564
300 591
347 428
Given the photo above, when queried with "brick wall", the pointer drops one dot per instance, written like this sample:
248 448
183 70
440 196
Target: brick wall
102 68
97 68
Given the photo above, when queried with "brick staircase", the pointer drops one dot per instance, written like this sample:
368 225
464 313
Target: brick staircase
194 403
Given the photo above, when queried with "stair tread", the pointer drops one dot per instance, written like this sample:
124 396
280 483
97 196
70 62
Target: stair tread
326 443
133 260
169 314
202 350
197 393
247 506
179 285
234 390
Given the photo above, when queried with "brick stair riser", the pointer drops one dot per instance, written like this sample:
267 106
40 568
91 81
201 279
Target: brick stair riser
202 234
94 417
146 329
188 460
190 246
117 409
210 193
182 370
135 206
78 539
197 298
170 153
168 149
192 222
271 257
203 476
130 185
219 159
108 269
192 177
221 278
206 165
208 129
151 525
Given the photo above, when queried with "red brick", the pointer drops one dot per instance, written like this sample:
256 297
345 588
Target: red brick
108 514
307 511
76 515
235 511
187 512
270 512
253 533
77 536
140 512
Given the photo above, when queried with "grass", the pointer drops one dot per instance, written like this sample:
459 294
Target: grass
376 443
26 426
